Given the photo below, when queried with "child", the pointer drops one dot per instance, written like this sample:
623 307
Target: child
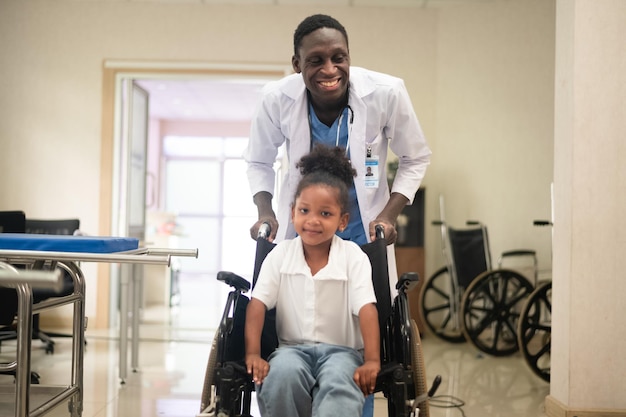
326 319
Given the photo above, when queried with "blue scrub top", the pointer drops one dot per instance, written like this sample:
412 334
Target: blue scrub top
337 135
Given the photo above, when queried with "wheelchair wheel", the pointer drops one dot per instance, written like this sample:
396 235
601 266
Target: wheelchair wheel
207 388
419 369
535 330
440 307
491 307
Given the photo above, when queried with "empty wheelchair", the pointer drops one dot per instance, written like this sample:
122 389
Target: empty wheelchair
468 300
535 326
227 390
440 297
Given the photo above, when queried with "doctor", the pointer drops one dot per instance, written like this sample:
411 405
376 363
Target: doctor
328 101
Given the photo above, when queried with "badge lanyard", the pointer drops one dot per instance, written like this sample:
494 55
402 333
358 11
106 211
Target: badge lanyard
372 173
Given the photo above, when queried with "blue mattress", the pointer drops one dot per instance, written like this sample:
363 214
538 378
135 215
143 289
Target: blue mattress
66 243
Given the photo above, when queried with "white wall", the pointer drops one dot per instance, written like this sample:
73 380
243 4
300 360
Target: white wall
480 76
589 337
492 154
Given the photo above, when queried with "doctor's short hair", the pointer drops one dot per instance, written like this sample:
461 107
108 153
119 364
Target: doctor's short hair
313 23
330 167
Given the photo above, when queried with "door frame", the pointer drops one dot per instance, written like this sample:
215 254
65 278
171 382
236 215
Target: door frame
114 72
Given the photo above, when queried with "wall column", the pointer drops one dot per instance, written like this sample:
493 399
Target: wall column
589 273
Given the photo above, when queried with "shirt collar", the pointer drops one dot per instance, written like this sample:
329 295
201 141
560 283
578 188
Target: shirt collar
295 263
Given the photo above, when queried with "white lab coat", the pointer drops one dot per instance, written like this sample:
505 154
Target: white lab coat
382 116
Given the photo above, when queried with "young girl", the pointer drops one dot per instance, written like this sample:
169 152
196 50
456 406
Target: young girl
326 319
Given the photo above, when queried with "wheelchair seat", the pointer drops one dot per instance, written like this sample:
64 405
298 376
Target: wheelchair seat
227 390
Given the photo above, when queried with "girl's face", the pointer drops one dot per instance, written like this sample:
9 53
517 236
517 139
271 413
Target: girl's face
317 215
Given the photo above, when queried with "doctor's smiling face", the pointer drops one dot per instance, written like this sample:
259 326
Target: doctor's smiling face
324 61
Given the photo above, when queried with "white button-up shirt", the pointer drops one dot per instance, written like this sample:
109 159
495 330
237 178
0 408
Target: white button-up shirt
320 308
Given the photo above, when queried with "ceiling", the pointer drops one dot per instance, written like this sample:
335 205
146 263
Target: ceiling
202 99
352 3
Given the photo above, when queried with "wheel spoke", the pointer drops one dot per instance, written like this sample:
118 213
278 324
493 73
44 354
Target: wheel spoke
437 308
483 323
439 291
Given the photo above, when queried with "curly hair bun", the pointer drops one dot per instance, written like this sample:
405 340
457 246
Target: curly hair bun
332 160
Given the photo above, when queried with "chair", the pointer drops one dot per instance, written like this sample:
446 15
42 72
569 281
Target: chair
11 222
17 224
227 389
51 227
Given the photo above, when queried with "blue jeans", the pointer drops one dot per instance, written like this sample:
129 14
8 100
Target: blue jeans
311 380
368 408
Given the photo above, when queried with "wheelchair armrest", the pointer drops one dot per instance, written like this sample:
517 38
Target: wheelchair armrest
233 280
231 368
388 372
408 280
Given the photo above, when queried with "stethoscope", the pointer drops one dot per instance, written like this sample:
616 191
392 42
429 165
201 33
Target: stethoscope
339 124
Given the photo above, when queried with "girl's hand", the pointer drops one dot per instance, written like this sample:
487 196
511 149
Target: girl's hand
257 367
365 376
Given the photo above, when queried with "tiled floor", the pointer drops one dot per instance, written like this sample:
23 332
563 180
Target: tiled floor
173 359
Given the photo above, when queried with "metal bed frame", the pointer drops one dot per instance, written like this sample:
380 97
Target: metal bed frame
23 391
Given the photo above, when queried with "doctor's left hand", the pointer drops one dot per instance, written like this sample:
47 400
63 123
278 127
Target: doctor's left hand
390 231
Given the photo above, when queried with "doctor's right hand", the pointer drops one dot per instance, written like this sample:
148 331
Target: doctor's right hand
254 230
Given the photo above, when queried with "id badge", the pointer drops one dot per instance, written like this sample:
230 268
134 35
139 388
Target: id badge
372 173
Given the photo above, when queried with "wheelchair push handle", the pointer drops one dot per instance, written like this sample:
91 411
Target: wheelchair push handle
380 231
264 231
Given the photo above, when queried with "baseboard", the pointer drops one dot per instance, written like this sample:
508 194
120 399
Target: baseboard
554 408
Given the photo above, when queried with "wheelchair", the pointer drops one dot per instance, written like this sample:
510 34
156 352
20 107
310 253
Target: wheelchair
535 325
228 388
468 300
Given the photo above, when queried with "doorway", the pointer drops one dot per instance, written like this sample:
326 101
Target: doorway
204 206
192 177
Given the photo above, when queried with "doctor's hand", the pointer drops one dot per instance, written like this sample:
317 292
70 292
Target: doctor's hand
387 217
254 230
390 230
263 201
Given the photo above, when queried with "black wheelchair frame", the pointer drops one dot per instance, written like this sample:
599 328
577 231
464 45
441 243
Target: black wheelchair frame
227 390
468 300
